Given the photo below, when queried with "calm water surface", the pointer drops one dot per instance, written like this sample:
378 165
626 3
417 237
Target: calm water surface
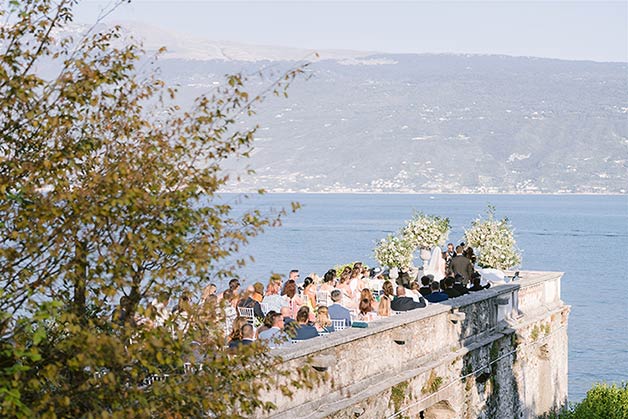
584 236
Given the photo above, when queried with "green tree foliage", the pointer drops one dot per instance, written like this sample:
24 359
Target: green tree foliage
108 189
603 401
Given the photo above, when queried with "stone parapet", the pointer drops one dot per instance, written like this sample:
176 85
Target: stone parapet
500 340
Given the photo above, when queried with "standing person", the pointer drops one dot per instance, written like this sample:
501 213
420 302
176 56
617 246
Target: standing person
293 275
292 298
462 266
450 253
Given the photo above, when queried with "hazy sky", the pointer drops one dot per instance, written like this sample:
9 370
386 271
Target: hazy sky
571 30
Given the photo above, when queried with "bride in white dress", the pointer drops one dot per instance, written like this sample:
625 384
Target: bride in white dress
436 265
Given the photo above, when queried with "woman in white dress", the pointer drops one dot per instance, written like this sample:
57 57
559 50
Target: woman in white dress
436 265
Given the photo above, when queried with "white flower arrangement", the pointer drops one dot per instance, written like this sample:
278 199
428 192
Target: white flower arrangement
426 231
495 241
393 251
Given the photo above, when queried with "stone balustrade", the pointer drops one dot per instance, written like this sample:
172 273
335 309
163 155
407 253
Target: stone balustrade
413 362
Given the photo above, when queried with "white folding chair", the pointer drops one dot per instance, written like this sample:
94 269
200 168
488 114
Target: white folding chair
339 324
322 298
248 313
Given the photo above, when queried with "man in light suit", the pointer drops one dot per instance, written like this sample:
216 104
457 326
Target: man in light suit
336 310
275 337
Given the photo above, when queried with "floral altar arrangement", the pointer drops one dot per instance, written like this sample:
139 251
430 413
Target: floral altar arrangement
426 231
394 251
495 241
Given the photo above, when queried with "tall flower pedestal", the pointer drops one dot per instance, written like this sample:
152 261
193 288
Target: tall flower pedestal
425 255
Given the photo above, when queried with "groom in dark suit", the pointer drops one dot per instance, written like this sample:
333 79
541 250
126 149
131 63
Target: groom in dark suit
403 303
460 265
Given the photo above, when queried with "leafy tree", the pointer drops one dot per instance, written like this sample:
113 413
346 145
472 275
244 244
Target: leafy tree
602 401
108 190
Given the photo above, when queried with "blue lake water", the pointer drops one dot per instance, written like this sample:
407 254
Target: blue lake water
584 236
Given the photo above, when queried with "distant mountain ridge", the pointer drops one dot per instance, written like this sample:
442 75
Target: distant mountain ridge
376 122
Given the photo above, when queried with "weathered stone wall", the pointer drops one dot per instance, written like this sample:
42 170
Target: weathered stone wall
499 353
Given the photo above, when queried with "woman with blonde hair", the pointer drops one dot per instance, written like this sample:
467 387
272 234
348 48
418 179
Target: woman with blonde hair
323 321
347 294
389 290
384 307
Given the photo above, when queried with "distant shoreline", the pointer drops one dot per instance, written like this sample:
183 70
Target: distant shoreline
432 193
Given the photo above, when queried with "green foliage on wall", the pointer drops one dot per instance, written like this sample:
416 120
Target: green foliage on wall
603 401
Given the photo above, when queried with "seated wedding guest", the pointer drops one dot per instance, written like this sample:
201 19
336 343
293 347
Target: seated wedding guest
275 336
365 310
207 291
328 281
413 292
458 285
121 315
288 320
247 332
258 294
384 307
388 290
449 288
403 303
347 293
267 323
236 330
272 297
425 288
303 329
355 280
289 293
436 296
366 293
234 287
323 295
229 303
248 301
336 310
309 293
468 253
477 283
323 321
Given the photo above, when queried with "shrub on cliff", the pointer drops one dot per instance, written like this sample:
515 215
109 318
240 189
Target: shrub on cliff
602 401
